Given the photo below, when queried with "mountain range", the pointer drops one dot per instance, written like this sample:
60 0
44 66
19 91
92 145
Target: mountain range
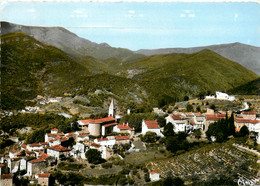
246 55
31 67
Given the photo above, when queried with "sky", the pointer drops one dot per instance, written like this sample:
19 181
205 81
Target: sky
145 25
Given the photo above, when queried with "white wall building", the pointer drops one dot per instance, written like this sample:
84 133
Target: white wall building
179 124
221 95
154 176
152 126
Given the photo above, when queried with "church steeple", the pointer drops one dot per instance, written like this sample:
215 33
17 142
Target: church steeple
111 108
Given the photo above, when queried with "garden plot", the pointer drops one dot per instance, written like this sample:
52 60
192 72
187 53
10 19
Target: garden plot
208 162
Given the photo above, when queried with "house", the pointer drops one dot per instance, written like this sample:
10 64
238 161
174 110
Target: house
13 164
95 146
23 164
44 179
152 126
252 125
96 127
82 137
179 123
108 141
212 118
249 115
78 151
36 166
50 136
154 176
83 124
124 128
221 95
34 146
57 151
6 180
122 140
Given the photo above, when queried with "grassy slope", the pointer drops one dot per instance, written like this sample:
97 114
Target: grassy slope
177 74
250 88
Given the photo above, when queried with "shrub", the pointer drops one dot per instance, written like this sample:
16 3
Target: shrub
107 165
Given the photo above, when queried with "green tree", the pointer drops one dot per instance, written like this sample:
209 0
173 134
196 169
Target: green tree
161 121
168 130
197 133
189 108
243 131
149 137
170 181
94 156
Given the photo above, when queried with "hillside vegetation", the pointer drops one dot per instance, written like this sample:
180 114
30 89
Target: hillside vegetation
30 68
180 74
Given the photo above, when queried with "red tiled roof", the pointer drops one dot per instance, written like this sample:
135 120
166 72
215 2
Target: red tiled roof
153 172
213 117
37 160
121 138
95 145
198 114
59 148
44 175
102 139
82 135
193 123
124 127
7 176
44 156
55 129
24 145
103 120
29 152
35 145
247 121
110 124
153 126
189 114
221 115
150 121
176 117
239 116
86 121
249 112
44 143
64 139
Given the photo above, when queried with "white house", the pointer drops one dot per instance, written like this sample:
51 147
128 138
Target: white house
154 176
179 124
221 95
152 126
78 150
109 141
34 146
58 150
124 128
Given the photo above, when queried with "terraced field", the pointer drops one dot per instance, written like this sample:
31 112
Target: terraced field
210 162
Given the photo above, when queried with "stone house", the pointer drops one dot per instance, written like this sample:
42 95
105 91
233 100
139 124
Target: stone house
6 180
44 179
36 166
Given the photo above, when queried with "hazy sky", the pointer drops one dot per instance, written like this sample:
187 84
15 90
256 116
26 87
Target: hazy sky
137 25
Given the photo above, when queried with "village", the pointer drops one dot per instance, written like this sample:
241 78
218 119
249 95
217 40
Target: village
113 139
